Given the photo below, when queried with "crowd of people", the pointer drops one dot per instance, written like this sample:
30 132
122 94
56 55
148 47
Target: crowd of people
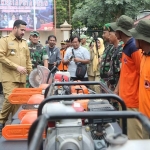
120 59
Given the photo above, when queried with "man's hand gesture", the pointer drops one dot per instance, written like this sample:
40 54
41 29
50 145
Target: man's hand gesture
77 60
21 70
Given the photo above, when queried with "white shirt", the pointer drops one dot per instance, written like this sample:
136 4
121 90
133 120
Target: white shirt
81 53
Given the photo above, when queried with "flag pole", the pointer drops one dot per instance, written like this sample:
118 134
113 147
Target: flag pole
55 22
34 14
69 13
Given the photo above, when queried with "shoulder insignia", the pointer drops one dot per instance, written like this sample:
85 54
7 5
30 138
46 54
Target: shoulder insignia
41 45
23 39
4 36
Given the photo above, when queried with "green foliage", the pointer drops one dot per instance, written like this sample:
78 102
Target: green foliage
93 13
134 8
62 11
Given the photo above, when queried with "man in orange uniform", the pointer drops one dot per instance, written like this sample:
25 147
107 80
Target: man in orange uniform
62 67
142 35
130 72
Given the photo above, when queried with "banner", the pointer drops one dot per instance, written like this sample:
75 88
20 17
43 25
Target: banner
11 10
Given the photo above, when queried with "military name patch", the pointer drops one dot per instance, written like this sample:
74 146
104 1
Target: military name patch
10 43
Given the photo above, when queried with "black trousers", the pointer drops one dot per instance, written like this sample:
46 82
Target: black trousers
50 66
1 88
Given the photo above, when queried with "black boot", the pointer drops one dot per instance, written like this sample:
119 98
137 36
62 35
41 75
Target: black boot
1 88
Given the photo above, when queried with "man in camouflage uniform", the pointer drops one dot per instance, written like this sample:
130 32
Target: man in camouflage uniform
115 62
38 53
106 56
110 63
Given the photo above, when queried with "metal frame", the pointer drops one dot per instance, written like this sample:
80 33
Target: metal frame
101 84
52 98
83 97
37 128
51 73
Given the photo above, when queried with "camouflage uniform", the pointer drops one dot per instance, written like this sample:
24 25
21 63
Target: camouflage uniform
114 71
110 62
110 67
38 54
105 62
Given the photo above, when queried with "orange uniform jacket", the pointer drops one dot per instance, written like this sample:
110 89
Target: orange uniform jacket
144 88
62 67
129 75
